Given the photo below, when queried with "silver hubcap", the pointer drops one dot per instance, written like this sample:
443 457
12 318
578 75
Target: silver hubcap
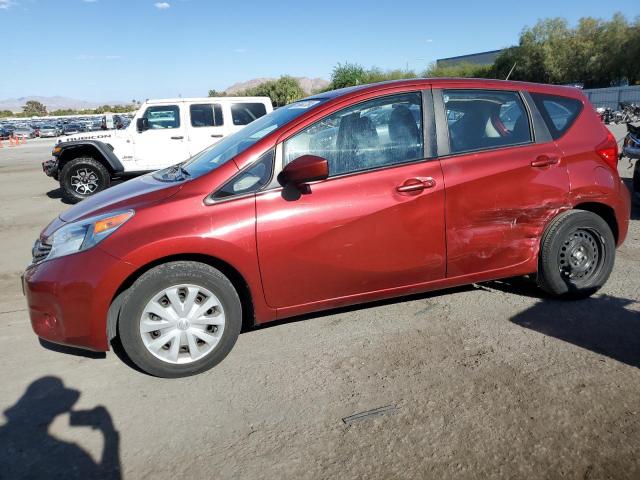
85 181
182 324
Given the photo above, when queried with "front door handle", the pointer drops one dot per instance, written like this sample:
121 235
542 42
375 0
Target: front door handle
416 185
216 135
544 161
177 138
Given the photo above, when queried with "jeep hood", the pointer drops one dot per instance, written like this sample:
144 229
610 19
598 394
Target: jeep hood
130 194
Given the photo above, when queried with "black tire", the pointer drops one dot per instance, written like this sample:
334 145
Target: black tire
577 253
636 179
74 171
155 281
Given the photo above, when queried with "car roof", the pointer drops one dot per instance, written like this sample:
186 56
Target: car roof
441 82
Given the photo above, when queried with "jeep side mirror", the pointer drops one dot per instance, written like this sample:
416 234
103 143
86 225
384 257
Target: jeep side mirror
142 124
304 169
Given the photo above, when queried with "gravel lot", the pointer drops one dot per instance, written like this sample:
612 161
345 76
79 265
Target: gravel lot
490 380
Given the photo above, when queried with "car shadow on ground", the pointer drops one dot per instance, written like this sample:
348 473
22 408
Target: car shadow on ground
362 306
603 324
29 451
57 194
77 352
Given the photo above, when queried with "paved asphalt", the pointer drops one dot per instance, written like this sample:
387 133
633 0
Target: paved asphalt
492 380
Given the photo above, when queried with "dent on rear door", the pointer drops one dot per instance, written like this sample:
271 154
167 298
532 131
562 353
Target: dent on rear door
498 203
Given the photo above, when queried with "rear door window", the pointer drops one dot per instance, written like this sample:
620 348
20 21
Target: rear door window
245 113
206 115
558 112
485 119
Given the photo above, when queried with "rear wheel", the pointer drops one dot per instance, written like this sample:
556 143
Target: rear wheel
179 319
82 177
577 254
636 180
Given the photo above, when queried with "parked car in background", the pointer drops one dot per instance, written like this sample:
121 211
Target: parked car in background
345 197
163 133
71 128
5 133
24 132
48 131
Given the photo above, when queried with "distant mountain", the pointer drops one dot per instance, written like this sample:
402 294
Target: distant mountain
309 85
53 103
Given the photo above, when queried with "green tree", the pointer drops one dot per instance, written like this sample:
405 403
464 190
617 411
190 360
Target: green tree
217 93
351 74
347 75
6 113
460 70
33 108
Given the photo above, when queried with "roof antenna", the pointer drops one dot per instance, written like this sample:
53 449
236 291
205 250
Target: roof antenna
511 71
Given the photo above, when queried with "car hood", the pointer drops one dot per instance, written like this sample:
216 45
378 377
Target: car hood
131 194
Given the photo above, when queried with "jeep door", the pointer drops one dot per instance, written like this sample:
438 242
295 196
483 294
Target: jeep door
206 126
164 143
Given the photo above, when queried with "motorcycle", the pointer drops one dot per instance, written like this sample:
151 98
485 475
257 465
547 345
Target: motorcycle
631 150
606 114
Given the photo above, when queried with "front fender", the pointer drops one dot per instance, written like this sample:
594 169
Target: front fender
72 149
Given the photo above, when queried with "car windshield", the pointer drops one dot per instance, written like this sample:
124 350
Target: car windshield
220 153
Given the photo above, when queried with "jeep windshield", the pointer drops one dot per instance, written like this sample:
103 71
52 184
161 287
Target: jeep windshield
227 148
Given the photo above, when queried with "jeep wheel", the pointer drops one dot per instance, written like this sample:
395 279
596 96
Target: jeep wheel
82 177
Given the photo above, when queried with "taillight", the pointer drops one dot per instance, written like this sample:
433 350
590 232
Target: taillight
608 151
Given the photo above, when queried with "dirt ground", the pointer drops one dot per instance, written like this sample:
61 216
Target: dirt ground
491 380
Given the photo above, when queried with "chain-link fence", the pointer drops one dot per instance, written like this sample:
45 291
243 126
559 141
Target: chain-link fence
611 97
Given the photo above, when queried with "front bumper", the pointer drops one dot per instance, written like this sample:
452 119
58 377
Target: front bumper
50 167
69 297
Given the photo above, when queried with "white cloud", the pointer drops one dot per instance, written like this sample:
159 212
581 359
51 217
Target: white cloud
240 50
113 57
429 40
5 4
161 5
89 1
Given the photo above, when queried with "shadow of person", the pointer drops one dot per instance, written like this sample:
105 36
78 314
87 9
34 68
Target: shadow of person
29 451
602 324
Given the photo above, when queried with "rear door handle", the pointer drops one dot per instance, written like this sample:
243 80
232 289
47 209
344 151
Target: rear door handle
177 138
544 161
416 185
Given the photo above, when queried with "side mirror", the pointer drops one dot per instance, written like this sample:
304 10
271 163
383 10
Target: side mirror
304 169
142 124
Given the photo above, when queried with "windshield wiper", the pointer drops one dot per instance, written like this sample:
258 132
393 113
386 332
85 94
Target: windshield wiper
172 174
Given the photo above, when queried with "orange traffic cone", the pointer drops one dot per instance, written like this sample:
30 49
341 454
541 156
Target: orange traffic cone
1 146
11 144
24 139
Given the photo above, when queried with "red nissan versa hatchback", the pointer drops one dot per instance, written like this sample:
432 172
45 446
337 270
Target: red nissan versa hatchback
345 197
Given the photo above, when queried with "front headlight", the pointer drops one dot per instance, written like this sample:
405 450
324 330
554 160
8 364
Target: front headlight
84 234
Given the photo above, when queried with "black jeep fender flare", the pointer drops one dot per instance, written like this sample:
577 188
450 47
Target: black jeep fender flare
101 151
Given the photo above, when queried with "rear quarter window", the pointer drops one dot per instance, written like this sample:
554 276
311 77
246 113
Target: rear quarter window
558 112
245 113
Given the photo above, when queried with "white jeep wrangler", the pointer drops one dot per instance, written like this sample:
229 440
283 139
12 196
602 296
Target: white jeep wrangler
162 133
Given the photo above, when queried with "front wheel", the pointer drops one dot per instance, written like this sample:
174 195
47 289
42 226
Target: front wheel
82 177
179 319
577 253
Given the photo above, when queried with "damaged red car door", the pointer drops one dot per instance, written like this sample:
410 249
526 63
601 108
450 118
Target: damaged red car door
502 186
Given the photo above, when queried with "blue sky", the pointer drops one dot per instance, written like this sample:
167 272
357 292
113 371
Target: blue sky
124 49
